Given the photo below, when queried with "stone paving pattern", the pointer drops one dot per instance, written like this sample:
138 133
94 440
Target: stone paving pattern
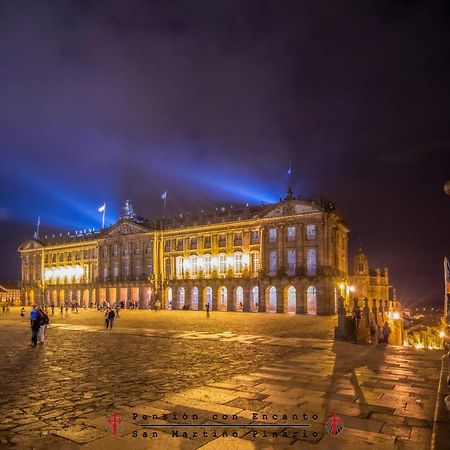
61 394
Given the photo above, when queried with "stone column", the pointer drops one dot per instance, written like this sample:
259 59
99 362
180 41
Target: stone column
280 301
300 300
231 299
262 298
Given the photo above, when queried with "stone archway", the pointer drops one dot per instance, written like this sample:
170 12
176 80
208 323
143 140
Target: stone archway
194 299
272 299
222 299
311 300
291 300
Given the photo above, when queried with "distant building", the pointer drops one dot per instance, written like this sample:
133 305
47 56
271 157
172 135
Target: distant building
10 293
285 257
368 283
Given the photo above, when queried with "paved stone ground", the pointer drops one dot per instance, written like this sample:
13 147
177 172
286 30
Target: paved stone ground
60 395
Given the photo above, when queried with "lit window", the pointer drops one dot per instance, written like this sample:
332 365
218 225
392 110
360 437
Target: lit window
179 244
291 233
273 263
167 245
238 263
207 262
256 263
272 235
115 270
238 239
194 269
193 245
179 267
222 263
311 232
207 242
311 261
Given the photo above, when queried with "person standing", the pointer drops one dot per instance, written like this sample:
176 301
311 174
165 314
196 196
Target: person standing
107 318
207 309
111 316
386 333
117 311
43 328
22 313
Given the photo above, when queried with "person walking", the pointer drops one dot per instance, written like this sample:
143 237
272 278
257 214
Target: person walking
386 333
117 311
53 308
33 314
111 316
22 313
35 326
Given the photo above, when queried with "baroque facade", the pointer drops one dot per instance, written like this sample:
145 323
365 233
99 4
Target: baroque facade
285 257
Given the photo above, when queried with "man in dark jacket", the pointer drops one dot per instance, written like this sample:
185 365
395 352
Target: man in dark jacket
35 327
111 316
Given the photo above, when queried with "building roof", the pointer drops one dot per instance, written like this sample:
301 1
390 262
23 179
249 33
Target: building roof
9 285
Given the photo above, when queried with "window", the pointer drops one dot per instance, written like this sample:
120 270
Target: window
179 244
105 250
222 263
291 261
86 254
179 267
126 269
148 248
77 257
207 242
256 263
238 263
137 271
254 237
272 235
207 262
149 266
167 245
137 249
126 250
237 238
115 247
311 261
168 268
273 263
193 243
222 240
116 270
105 273
311 232
291 233
194 266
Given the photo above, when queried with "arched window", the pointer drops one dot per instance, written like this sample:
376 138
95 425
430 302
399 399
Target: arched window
272 299
223 298
311 300
291 300
239 298
181 298
169 298
195 298
208 296
254 299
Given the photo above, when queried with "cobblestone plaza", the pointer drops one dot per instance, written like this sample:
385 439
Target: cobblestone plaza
256 377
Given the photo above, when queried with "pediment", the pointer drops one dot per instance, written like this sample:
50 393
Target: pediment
290 208
31 244
124 228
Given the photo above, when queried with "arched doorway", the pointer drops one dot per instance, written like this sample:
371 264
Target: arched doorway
222 299
311 300
208 297
291 300
239 299
254 299
194 299
169 298
181 298
272 299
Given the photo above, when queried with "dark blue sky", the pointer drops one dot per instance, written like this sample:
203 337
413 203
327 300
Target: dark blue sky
101 101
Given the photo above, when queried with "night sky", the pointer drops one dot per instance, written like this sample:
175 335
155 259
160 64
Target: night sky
211 100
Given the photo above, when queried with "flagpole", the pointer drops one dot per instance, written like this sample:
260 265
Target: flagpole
445 290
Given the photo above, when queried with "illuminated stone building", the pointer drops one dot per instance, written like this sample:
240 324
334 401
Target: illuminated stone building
9 293
285 257
367 283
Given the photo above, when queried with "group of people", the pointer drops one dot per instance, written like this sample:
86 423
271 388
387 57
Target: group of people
5 308
380 334
38 321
